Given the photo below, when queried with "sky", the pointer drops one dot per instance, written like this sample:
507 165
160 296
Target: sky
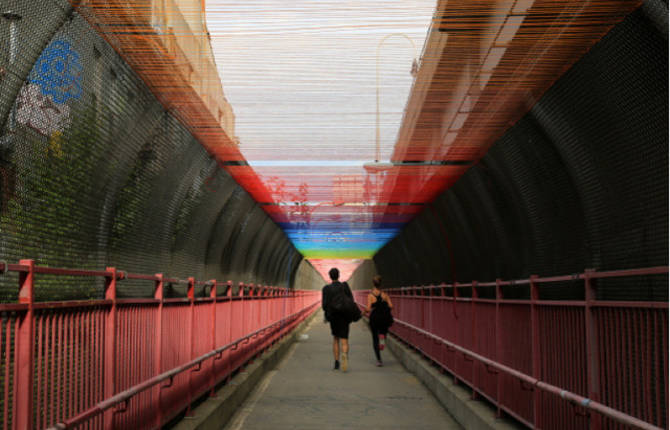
301 78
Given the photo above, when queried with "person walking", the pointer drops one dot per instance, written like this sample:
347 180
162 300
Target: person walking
339 321
379 308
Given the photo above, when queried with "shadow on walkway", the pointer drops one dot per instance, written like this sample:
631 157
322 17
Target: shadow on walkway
305 393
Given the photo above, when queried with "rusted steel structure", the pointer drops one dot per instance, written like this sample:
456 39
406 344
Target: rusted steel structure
131 363
551 364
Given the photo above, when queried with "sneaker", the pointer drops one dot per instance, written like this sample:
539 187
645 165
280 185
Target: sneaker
337 365
379 363
344 362
382 341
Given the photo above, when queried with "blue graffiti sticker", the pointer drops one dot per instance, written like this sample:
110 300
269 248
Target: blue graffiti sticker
58 72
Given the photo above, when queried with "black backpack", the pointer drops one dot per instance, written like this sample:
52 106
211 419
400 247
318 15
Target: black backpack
340 303
381 316
338 300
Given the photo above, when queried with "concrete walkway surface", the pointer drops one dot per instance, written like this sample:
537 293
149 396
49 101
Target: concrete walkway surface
304 392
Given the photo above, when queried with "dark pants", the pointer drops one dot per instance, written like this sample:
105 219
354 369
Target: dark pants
375 338
339 326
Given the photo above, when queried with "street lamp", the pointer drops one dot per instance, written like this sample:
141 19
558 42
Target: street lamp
377 166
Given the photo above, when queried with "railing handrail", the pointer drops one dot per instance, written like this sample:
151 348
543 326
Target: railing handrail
534 301
127 394
544 386
586 275
274 312
121 275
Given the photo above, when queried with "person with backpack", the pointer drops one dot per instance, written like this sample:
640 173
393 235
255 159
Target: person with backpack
379 308
336 301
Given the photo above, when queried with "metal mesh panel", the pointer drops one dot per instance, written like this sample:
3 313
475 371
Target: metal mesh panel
580 182
94 172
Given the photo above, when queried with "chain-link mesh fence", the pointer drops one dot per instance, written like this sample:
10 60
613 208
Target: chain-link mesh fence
94 172
580 182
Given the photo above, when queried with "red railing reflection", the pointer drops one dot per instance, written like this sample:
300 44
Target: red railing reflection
119 363
551 364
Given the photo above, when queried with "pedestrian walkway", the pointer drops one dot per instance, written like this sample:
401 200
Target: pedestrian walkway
304 392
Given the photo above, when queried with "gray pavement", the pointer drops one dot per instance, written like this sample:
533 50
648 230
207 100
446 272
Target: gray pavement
303 392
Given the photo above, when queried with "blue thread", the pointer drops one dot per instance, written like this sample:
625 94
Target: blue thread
58 72
586 402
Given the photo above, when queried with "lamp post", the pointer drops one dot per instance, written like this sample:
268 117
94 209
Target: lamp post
378 166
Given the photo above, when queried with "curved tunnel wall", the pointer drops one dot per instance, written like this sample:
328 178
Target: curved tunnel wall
95 173
580 182
361 279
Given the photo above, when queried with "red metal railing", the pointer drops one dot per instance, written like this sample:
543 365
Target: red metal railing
118 363
548 363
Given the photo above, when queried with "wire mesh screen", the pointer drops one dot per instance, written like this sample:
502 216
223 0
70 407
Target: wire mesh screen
94 171
580 182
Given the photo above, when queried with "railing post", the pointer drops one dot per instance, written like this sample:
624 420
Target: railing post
425 291
268 305
110 362
241 292
212 295
592 353
454 293
24 353
473 317
260 305
229 297
535 346
499 346
252 308
159 294
190 294
242 349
